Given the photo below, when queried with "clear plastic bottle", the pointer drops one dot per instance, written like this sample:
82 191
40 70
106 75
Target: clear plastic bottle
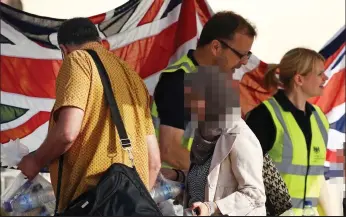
308 210
289 212
25 188
166 191
39 211
31 201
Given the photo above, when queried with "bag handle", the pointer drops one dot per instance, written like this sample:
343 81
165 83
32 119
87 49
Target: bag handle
115 115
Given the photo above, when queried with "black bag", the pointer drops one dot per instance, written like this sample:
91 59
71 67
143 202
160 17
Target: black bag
278 198
120 191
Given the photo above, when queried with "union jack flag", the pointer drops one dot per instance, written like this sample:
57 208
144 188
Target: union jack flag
149 35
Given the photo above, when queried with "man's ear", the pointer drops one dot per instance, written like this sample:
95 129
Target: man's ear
215 47
63 49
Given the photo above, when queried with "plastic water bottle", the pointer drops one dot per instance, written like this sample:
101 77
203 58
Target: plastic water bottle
31 201
25 188
308 210
166 191
40 211
289 212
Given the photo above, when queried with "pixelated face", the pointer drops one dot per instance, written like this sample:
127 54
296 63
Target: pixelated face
211 97
234 53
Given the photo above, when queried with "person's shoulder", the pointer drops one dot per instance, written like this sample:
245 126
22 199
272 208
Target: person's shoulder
257 112
244 135
78 54
172 76
170 81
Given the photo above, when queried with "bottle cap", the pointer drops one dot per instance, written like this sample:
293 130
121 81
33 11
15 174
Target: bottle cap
307 203
8 206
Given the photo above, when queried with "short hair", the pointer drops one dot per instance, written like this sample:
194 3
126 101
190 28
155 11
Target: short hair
223 25
77 31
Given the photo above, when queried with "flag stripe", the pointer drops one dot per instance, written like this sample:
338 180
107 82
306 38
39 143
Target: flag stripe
172 4
203 11
37 28
26 128
333 93
30 77
98 18
152 12
339 125
334 45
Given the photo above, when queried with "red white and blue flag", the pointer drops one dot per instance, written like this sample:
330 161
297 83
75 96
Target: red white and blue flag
149 35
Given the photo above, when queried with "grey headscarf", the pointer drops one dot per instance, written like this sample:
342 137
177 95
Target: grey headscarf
203 146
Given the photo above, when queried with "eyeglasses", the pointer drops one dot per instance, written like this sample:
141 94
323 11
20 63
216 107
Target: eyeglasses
240 55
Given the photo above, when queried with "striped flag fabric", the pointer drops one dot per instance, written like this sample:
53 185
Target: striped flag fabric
149 35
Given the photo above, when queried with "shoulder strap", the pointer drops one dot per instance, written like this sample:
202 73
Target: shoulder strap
115 114
116 118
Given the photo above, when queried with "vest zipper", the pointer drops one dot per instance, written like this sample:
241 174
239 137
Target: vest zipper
306 175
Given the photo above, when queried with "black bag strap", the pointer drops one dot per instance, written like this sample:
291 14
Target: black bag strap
116 118
115 114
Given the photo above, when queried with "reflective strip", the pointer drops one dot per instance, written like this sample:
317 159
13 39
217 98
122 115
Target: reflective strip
156 122
299 169
189 134
183 64
298 203
286 165
323 130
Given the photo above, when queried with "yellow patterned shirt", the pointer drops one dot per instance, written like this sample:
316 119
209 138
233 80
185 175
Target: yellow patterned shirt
78 84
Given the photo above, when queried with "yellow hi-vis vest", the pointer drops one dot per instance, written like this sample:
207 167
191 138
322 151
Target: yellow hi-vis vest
301 172
186 64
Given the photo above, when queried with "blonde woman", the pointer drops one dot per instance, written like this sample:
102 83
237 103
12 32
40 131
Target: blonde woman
293 131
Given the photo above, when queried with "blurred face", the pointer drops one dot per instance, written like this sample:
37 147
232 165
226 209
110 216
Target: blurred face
232 54
210 96
312 84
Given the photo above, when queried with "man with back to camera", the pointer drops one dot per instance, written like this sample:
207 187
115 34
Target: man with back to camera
225 41
81 127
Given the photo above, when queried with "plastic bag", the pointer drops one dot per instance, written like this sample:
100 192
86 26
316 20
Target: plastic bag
22 191
164 192
169 208
165 189
12 153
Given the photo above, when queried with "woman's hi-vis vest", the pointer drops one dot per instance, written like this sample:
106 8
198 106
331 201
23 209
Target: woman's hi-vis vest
302 172
187 65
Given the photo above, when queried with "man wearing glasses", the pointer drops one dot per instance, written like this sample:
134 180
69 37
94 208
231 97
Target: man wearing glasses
225 41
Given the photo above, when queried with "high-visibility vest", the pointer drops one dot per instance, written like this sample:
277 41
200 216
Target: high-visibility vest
302 174
186 64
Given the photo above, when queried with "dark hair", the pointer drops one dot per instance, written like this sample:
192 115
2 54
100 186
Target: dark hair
223 25
77 31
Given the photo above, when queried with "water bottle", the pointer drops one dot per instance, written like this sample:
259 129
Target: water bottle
166 191
26 187
40 211
308 210
289 212
31 201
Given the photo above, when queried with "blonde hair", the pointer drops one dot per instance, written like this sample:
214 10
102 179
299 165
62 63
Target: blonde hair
296 61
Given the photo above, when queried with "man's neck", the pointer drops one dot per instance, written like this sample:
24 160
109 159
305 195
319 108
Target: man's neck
202 57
